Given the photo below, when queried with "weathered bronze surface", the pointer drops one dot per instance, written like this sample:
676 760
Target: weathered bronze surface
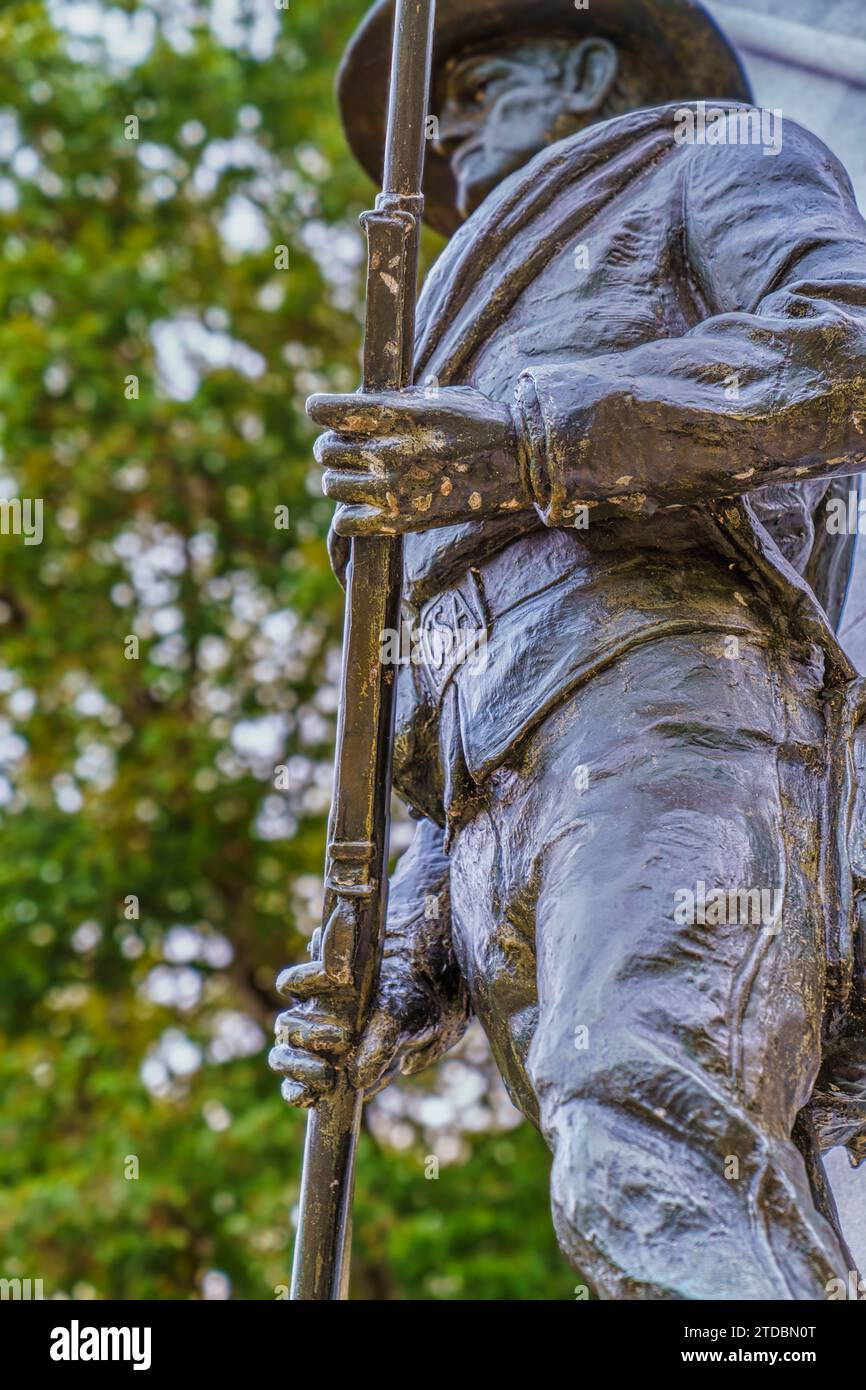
628 730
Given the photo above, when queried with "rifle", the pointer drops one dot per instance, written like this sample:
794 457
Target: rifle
356 871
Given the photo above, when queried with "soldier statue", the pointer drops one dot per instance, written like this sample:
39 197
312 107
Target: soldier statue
641 393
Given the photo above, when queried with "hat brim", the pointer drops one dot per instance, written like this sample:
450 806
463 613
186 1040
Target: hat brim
679 47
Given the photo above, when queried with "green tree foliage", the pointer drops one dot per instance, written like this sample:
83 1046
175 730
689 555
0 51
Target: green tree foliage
167 646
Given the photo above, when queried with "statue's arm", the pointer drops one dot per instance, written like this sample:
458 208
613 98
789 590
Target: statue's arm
421 1007
769 388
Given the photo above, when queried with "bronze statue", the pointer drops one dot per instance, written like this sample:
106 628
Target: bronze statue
641 384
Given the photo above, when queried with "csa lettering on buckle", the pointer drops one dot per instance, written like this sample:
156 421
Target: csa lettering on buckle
451 630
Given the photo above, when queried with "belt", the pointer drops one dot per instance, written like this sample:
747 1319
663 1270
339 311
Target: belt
451 630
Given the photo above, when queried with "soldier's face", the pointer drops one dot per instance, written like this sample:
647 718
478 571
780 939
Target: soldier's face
500 106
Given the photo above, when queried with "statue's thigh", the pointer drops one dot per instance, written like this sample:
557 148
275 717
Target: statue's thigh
674 776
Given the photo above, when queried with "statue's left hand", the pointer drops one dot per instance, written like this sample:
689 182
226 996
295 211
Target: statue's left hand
411 460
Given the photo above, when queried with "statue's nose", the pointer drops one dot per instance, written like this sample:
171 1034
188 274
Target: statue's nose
445 146
450 130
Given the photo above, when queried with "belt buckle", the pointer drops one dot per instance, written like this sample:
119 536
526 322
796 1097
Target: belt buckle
452 628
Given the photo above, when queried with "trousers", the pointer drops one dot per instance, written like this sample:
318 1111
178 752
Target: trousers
639 901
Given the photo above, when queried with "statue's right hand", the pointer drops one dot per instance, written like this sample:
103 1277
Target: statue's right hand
404 1029
414 459
314 1034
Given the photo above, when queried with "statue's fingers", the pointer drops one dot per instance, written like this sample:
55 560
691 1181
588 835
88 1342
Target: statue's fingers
294 1093
303 981
376 1050
312 1033
354 414
332 451
313 1072
358 488
366 521
398 459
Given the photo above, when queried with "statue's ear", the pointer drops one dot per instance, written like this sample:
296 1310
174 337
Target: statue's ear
590 72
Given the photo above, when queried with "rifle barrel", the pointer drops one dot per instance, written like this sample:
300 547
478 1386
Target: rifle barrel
357 860
407 97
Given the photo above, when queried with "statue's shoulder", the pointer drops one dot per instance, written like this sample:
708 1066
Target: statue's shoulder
721 141
494 251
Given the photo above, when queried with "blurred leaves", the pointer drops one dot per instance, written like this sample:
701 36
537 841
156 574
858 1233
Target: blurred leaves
153 368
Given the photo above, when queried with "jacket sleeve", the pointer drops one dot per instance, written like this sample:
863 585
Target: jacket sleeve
419 964
770 387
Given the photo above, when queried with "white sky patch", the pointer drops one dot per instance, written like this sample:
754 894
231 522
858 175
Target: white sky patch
171 652
126 39
22 703
175 1056
86 937
186 350
213 654
313 162
12 746
338 252
97 32
78 17
152 555
167 620
96 765
243 226
10 135
234 1035
66 794
259 740
241 152
182 1055
174 987
274 820
154 157
192 133
251 25
178 18
182 944
25 163
91 703
215 1285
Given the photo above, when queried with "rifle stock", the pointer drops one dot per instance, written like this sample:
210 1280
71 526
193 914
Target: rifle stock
356 881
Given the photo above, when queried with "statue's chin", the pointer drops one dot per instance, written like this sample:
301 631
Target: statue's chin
471 193
482 172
